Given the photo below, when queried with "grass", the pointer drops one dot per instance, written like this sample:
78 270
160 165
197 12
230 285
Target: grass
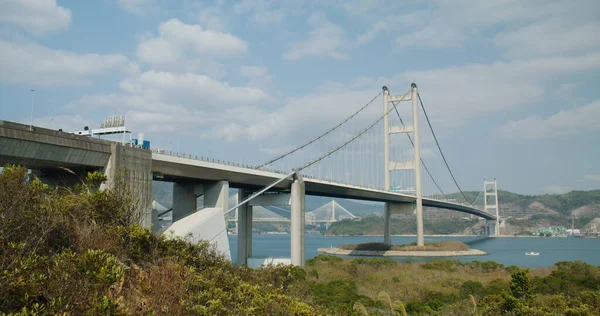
404 281
449 245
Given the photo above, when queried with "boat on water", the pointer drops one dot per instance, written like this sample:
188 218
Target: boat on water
532 253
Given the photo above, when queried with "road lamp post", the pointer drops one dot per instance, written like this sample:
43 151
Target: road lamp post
32 98
177 131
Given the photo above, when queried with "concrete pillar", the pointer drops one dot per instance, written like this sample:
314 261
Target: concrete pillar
249 215
130 169
418 187
386 224
490 228
217 195
155 221
244 236
185 199
297 222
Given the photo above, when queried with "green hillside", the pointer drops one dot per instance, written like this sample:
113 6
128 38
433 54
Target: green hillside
562 203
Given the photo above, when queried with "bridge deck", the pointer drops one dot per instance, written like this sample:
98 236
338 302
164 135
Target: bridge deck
185 169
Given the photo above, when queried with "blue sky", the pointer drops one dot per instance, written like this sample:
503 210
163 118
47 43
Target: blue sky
511 86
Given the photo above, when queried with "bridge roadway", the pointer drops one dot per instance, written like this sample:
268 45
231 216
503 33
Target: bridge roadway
178 169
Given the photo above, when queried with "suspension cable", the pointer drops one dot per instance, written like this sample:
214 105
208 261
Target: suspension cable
441 152
352 139
322 135
423 162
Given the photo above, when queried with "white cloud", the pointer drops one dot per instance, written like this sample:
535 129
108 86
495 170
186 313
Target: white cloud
544 26
27 62
452 95
326 40
557 189
261 11
567 122
201 90
593 177
212 17
361 7
189 46
158 101
257 76
38 17
551 37
312 113
136 6
373 31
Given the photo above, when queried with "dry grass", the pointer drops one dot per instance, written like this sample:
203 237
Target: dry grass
405 282
429 246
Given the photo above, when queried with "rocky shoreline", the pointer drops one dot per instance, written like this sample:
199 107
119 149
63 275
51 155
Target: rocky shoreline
393 253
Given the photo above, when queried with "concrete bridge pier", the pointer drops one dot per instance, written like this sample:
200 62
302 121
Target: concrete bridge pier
130 169
490 228
185 197
394 208
244 233
387 212
297 221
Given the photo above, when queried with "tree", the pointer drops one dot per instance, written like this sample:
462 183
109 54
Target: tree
520 285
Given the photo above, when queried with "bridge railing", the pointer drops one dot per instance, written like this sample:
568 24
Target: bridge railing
212 160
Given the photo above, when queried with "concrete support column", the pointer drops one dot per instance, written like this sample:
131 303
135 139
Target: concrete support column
386 224
155 221
185 199
129 172
249 215
244 236
417 143
297 221
217 195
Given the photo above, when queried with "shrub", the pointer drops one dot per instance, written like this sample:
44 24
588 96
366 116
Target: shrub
485 266
443 265
323 258
373 262
468 288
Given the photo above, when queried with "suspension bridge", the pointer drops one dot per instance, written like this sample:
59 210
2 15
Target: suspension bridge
370 155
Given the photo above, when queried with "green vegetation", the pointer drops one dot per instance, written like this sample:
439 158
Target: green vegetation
449 245
81 252
373 225
450 287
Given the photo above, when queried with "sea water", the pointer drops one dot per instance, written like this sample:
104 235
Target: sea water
505 250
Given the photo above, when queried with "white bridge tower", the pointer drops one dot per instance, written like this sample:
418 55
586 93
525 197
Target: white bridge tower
402 165
490 189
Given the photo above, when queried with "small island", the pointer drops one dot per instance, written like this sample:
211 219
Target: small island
430 249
